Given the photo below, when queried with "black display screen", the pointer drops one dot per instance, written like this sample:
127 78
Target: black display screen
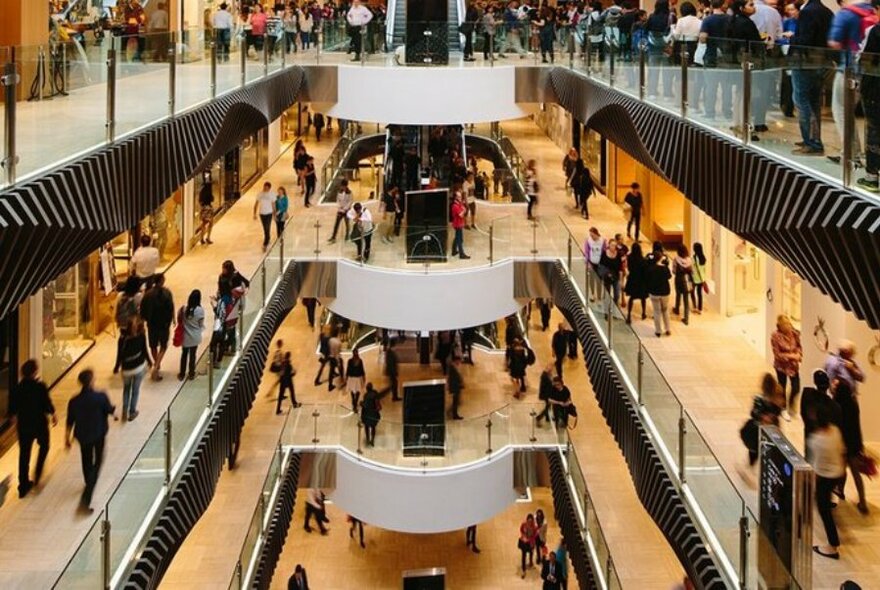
777 512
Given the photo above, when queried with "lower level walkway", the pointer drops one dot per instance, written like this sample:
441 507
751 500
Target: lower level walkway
42 530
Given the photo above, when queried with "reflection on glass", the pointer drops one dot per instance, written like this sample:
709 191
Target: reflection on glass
67 320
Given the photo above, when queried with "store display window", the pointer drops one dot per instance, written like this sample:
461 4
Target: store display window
66 320
791 296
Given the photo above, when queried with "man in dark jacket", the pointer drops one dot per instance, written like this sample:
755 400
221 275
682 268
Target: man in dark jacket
87 421
391 369
559 344
869 89
813 23
157 310
29 404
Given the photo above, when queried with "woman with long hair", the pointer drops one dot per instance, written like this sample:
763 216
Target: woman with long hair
682 270
636 281
355 375
192 317
699 277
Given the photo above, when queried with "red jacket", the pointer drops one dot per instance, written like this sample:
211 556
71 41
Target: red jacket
459 212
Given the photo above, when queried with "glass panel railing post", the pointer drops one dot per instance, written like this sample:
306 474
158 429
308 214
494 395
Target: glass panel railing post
317 249
489 436
110 123
568 259
609 313
281 254
283 43
106 566
534 236
265 55
611 67
318 45
363 33
534 416
682 436
643 70
316 414
212 44
243 62
491 49
168 450
10 158
744 535
746 129
360 426
588 52
640 367
263 279
849 125
172 74
41 71
570 43
685 56
65 66
491 242
210 375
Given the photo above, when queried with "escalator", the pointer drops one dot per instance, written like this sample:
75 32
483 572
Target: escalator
397 28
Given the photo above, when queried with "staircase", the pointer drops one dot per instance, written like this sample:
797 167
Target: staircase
398 37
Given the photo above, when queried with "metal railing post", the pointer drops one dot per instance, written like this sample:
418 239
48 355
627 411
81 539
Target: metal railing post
9 80
265 55
317 249
262 512
609 316
491 243
167 447
110 124
363 33
570 43
263 280
744 535
534 416
685 56
41 72
611 68
640 367
849 126
240 329
64 73
643 71
213 48
315 415
106 574
588 53
747 100
569 256
360 426
243 62
489 436
318 45
281 254
682 454
534 238
172 75
210 376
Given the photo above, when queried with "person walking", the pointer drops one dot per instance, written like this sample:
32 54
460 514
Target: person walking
843 366
87 414
851 429
459 217
683 269
559 344
29 404
371 413
454 383
699 278
315 509
334 360
635 200
528 533
392 370
582 183
658 275
517 361
343 204
135 360
282 204
531 185
489 23
358 524
222 22
611 267
636 287
787 356
144 261
299 580
355 378
594 247
310 180
265 206
127 309
470 538
545 391
206 213
192 317
318 122
828 457
541 537
468 25
323 352
550 573
562 563
766 409
285 382
157 310
560 400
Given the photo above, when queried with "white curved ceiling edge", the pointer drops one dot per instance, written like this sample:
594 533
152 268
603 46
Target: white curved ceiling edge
426 96
413 301
431 502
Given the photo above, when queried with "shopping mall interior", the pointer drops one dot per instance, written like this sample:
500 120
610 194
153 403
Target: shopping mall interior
456 294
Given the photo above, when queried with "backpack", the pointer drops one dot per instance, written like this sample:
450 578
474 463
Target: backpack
867 19
530 357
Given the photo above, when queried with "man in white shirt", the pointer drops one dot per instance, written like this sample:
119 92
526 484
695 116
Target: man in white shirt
362 234
145 261
765 80
157 26
265 206
358 17
315 507
343 205
222 22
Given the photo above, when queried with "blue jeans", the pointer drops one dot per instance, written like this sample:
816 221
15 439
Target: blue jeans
131 389
872 134
223 37
458 242
807 95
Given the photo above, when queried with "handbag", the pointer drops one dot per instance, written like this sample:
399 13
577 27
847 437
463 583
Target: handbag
866 464
700 53
178 330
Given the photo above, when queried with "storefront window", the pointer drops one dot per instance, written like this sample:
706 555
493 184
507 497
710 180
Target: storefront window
591 152
164 226
67 320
